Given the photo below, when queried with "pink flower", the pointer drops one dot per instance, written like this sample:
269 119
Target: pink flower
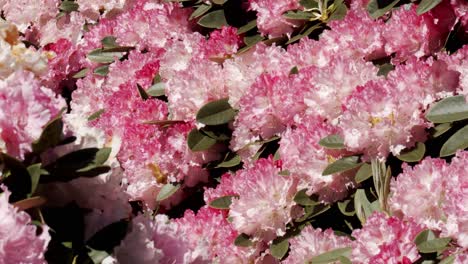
459 62
265 201
18 240
91 9
376 120
307 164
222 43
26 108
385 240
418 193
24 13
313 242
270 20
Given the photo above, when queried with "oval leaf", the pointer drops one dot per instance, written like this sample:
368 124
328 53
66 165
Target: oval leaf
279 249
434 245
252 24
198 141
342 207
166 191
28 203
215 19
331 256
157 89
222 202
332 142
457 141
232 162
448 110
362 206
216 113
440 129
414 154
343 164
364 173
243 240
200 11
376 11
426 5
303 199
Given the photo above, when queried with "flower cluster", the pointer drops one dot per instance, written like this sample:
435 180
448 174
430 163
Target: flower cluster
182 132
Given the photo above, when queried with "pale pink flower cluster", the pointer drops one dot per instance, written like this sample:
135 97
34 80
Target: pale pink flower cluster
434 194
19 242
270 20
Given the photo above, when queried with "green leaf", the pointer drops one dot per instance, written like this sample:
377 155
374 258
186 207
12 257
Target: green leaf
362 205
331 256
440 129
247 27
434 245
198 141
215 19
309 4
109 42
51 136
344 260
376 11
103 56
426 5
302 198
200 11
216 113
97 256
364 173
306 33
339 11
231 162
332 142
35 172
96 115
343 164
102 70
414 154
215 133
448 110
219 2
157 89
279 248
243 240
423 236
142 92
298 15
385 68
166 191
294 70
163 122
252 40
69 6
448 260
222 202
82 73
342 207
457 141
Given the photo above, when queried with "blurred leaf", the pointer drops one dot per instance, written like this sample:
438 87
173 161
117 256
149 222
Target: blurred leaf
376 10
364 173
198 141
440 129
414 154
251 25
294 70
216 113
102 56
97 256
339 11
230 162
309 4
166 191
302 198
331 256
35 172
163 122
142 92
448 110
96 115
243 240
219 2
68 6
51 136
457 141
343 164
216 133
213 19
426 5
222 202
427 242
362 206
298 15
109 42
332 142
200 11
385 68
157 89
252 40
448 260
342 207
102 70
279 248
306 33
29 203
82 73
423 236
